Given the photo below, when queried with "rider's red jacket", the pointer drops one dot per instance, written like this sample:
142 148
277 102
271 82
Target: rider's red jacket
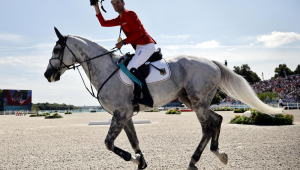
131 26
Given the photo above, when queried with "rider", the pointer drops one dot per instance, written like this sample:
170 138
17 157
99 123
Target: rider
137 36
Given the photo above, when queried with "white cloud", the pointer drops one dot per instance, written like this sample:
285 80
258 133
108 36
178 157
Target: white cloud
208 44
42 45
105 40
28 63
10 37
277 39
175 36
176 47
247 38
204 45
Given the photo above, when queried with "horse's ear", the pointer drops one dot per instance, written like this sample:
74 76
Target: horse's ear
58 34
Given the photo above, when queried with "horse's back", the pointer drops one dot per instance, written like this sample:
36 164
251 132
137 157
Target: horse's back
195 67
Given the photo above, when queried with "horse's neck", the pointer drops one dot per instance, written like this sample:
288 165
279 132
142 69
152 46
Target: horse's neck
98 69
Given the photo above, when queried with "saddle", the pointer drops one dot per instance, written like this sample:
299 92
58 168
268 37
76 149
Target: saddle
145 68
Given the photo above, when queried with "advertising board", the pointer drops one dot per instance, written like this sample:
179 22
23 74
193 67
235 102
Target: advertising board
17 100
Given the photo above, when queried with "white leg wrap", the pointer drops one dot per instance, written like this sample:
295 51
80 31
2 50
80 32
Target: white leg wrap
135 159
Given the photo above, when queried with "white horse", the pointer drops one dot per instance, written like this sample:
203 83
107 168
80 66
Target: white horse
194 81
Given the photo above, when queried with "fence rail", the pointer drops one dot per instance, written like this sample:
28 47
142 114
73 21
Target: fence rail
287 106
14 112
292 106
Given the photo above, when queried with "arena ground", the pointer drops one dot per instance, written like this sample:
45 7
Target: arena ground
167 143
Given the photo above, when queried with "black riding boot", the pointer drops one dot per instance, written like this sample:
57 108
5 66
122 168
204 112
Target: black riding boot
147 99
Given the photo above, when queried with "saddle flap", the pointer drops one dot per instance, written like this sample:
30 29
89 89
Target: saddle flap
157 55
154 76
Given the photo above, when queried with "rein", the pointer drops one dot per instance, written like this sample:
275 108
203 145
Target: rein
63 43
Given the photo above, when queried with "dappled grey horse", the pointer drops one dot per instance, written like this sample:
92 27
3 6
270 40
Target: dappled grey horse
194 80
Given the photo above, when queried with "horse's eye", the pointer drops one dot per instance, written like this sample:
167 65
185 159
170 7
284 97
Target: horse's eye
56 50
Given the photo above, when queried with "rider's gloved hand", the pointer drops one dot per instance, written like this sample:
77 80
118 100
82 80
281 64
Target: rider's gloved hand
94 2
119 45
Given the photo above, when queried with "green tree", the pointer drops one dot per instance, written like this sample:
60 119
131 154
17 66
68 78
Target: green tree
297 71
34 107
218 97
266 96
282 70
54 106
246 72
41 107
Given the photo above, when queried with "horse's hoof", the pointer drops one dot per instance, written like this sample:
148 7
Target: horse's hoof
142 164
223 157
192 167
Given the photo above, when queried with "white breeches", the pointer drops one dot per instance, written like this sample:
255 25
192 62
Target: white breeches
142 54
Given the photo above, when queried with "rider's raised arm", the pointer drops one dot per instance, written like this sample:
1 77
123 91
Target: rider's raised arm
136 26
103 22
97 9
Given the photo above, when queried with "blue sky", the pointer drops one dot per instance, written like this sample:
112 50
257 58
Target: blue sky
262 34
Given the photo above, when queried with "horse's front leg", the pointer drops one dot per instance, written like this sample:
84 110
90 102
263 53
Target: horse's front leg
117 124
131 134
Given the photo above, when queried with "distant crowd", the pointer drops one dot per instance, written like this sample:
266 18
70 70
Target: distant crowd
287 89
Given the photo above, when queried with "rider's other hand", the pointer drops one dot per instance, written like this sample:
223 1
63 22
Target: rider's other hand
119 45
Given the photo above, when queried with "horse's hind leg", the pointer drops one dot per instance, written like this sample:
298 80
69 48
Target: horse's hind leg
210 123
211 126
204 118
131 134
216 128
184 99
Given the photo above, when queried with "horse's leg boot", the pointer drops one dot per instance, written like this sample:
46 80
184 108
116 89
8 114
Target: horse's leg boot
147 98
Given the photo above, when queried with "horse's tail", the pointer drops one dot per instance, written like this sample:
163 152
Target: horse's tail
237 87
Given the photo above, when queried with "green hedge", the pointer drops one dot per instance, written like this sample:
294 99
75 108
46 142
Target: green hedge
40 115
224 109
259 118
68 112
173 112
53 116
152 111
240 110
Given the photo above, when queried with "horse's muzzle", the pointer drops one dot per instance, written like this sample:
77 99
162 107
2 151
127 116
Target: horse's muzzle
52 75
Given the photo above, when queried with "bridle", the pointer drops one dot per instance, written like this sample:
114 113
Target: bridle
63 43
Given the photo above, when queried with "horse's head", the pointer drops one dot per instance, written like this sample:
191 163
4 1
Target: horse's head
61 60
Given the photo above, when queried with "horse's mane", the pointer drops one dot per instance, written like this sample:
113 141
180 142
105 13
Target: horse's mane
91 42
96 45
